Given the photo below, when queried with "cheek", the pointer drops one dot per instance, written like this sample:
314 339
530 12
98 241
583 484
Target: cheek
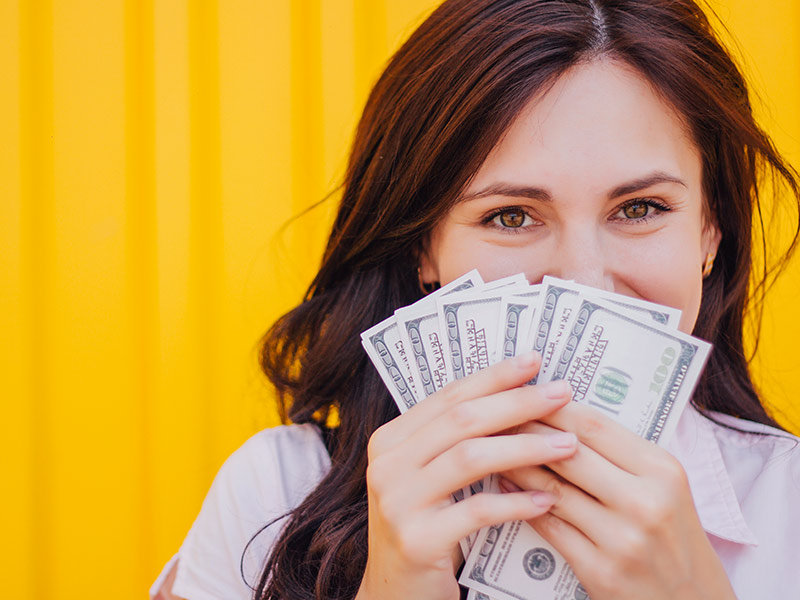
668 274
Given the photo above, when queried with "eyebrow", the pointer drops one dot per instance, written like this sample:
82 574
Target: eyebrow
537 193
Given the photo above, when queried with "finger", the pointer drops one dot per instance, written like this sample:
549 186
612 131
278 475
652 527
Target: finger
608 438
584 512
484 416
460 519
534 426
591 472
475 458
504 375
578 550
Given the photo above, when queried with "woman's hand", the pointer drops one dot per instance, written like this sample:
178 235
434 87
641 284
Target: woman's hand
439 446
624 517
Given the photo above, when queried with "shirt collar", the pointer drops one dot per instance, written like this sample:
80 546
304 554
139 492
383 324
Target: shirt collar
697 449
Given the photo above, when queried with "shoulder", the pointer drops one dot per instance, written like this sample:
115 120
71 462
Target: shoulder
765 445
262 481
757 455
271 473
762 465
290 456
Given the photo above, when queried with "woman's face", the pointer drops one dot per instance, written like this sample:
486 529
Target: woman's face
595 181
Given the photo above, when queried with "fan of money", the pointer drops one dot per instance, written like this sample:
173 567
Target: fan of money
621 355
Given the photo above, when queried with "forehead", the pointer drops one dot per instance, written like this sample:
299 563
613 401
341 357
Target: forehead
599 124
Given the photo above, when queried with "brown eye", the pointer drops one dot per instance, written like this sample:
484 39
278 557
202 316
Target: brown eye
636 210
512 218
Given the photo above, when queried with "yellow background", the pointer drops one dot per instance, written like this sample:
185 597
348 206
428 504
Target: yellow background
149 153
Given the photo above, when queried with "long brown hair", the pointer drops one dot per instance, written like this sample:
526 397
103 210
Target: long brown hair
443 102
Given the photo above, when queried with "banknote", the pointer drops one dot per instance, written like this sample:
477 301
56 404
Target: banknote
419 331
517 312
559 298
387 352
469 321
389 349
636 371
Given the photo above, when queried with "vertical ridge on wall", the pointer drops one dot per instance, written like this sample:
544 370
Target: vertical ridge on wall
141 252
37 190
206 270
16 426
178 429
306 114
370 44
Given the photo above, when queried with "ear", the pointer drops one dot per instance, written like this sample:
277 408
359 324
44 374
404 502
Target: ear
428 268
711 237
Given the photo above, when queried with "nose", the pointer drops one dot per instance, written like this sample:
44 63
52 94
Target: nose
581 255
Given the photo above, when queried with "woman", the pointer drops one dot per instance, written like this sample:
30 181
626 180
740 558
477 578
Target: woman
607 141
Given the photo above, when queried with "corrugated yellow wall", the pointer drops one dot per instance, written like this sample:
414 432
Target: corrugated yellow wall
149 153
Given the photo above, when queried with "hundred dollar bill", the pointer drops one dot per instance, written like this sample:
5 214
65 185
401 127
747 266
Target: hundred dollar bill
639 373
630 307
419 330
387 352
469 322
559 298
610 357
517 312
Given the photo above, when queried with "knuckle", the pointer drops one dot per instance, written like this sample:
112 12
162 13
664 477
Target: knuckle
377 477
631 547
672 472
388 509
652 513
592 428
391 512
480 510
555 486
596 572
608 580
407 542
464 416
378 442
451 393
546 524
467 455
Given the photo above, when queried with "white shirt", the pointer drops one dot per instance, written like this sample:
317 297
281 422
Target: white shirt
746 488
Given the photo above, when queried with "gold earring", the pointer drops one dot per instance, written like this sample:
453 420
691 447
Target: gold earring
708 265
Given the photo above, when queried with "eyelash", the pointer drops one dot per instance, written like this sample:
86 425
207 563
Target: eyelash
489 218
658 206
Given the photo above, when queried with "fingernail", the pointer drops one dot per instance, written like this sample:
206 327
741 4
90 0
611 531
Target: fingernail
562 440
508 486
527 360
555 389
543 499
